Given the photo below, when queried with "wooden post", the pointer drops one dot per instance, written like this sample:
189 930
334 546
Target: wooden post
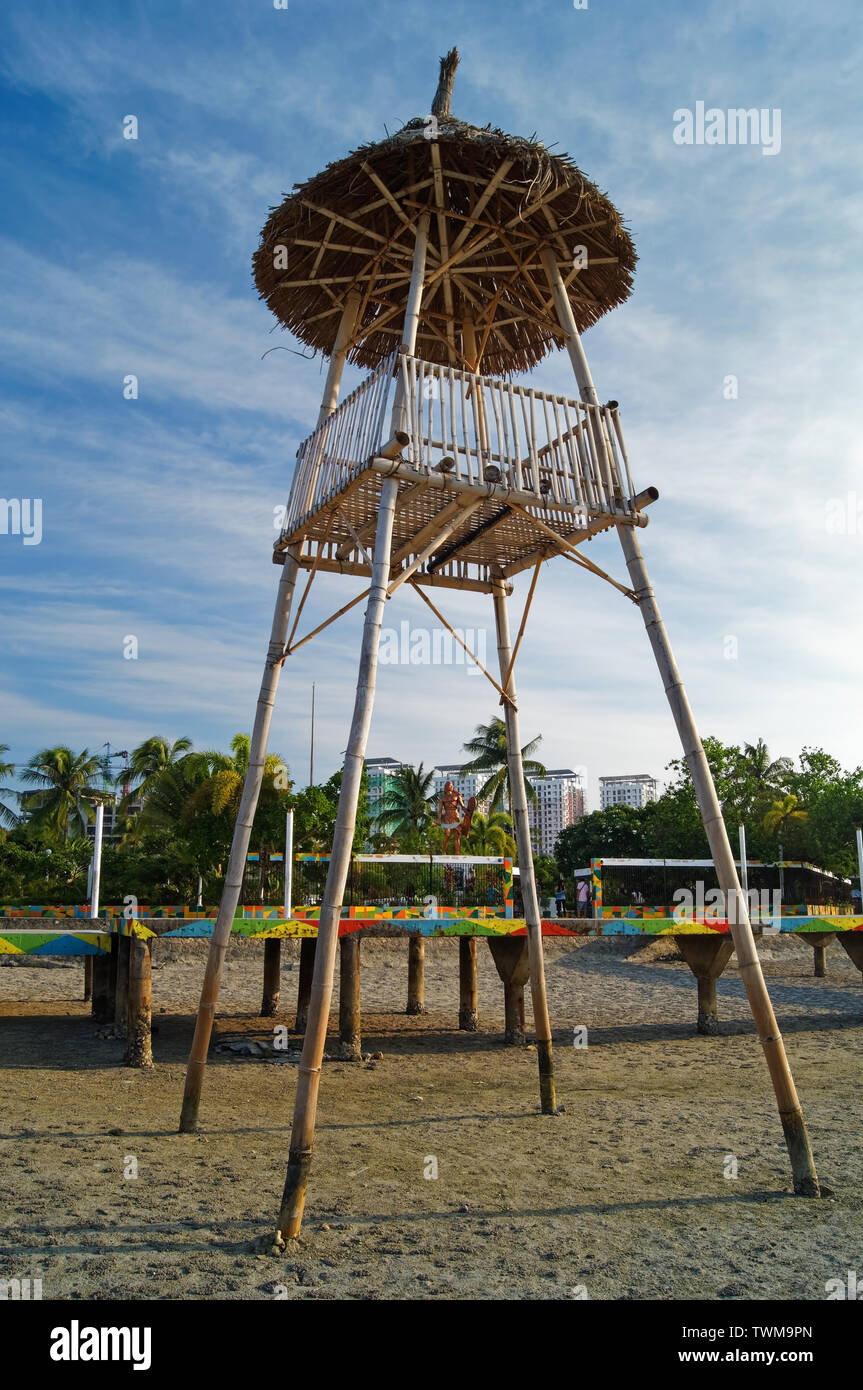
852 943
122 985
308 946
88 978
416 974
350 1018
399 417
467 993
512 960
707 957
239 846
566 319
338 356
518 799
102 1006
272 976
139 1051
790 1111
819 941
308 1081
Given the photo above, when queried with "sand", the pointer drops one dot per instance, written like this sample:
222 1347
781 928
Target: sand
624 1196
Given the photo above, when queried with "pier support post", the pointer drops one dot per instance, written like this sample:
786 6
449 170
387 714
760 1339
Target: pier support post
707 957
121 995
512 961
139 1050
102 1005
308 947
819 941
272 976
88 978
468 1019
350 1015
416 974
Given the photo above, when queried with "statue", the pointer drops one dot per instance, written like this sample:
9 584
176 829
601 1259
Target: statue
451 803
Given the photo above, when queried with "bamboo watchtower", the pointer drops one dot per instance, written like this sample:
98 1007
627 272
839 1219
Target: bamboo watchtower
444 259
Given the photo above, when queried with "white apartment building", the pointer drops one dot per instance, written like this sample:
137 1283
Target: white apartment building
380 771
635 790
468 783
561 801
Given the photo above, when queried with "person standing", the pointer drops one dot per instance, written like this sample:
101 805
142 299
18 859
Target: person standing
583 896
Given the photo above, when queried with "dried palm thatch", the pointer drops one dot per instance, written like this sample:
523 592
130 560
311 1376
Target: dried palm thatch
495 201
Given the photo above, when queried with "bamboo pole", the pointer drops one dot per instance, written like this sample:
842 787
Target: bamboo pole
518 800
139 1049
416 974
338 357
308 1082
468 1019
350 1018
790 1112
566 319
239 845
412 317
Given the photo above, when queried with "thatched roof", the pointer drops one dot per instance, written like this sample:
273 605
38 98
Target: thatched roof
495 200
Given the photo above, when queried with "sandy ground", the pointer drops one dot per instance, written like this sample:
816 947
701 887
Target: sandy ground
622 1197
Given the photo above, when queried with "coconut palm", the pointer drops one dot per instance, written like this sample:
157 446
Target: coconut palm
147 763
8 817
783 814
490 835
405 809
488 747
767 773
61 804
222 789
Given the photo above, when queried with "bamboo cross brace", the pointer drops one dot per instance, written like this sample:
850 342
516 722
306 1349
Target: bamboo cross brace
475 659
367 557
528 602
431 546
572 553
320 627
312 572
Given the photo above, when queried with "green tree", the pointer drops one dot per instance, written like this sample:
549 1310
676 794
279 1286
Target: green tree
405 810
617 832
784 816
61 804
148 761
488 749
8 817
491 835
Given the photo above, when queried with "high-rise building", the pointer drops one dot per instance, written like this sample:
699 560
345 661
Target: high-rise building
635 790
468 783
380 772
561 801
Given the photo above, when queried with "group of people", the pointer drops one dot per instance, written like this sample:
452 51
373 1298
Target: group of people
582 898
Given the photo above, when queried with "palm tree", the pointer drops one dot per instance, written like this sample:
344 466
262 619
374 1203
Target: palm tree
406 807
8 818
758 765
147 763
222 789
782 815
61 804
492 835
488 746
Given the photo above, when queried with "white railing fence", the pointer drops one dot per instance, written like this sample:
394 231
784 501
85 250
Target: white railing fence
547 446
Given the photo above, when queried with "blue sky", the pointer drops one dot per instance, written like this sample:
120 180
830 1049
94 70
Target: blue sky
123 256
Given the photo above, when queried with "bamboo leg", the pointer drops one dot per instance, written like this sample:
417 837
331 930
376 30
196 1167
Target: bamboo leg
707 957
790 1112
272 977
88 978
102 1006
308 1081
121 996
308 947
467 992
239 847
350 1019
139 1050
416 974
518 797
